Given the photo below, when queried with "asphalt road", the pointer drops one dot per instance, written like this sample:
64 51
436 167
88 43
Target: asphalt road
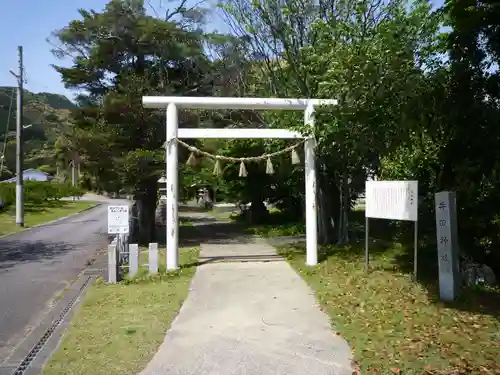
37 264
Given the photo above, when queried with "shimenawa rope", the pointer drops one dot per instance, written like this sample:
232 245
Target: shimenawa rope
196 152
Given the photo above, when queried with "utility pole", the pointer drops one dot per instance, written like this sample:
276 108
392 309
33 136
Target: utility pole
19 142
73 174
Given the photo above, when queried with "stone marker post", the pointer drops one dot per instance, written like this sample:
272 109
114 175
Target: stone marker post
153 258
133 259
447 242
112 264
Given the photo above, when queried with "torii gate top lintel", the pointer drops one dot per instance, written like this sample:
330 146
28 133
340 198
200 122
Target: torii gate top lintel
233 103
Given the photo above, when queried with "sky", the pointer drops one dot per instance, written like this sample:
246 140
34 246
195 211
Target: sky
30 22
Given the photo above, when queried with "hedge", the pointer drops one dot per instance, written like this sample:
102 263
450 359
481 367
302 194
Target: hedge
37 192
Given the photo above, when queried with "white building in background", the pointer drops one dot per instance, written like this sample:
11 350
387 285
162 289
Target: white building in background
32 175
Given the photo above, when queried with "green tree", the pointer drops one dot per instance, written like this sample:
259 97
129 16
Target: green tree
457 146
119 55
370 55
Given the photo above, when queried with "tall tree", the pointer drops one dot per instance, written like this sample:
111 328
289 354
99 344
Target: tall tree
368 54
119 55
457 145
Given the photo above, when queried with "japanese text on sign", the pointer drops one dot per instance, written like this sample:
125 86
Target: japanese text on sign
443 240
446 237
118 219
441 206
395 200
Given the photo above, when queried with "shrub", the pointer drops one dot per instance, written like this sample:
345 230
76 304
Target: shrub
37 192
7 194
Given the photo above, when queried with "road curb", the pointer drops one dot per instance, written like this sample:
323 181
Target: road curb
19 353
52 221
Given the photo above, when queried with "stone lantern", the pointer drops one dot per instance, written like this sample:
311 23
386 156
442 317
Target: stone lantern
163 188
161 208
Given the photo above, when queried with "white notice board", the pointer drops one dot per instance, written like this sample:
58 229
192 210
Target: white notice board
394 200
118 219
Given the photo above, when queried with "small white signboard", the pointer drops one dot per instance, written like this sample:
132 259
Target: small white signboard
393 200
118 219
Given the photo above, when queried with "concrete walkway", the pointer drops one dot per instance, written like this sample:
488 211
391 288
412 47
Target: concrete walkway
249 317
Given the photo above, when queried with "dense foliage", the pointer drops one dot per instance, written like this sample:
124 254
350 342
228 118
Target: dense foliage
36 192
119 55
455 146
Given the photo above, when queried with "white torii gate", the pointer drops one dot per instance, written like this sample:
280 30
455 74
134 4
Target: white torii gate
171 103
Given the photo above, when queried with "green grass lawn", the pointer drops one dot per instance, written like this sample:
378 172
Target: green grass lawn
185 221
279 225
289 229
395 325
222 215
119 327
39 214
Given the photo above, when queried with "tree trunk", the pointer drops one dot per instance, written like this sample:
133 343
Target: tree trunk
328 204
146 204
258 211
343 230
133 223
325 228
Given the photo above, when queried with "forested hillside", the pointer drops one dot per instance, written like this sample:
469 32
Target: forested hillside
50 118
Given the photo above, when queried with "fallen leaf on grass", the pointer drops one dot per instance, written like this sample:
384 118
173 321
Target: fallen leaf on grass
404 323
428 370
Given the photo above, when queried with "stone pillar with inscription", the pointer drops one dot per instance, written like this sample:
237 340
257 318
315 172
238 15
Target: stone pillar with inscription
447 243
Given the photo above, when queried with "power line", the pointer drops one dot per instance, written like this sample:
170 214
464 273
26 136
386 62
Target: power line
26 79
7 95
6 134
2 160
